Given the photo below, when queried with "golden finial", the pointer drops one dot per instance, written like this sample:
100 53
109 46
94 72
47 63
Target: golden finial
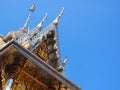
58 17
32 7
43 20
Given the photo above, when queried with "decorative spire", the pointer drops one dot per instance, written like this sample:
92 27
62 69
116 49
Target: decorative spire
31 10
43 20
58 17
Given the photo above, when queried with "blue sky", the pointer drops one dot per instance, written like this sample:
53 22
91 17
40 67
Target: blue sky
89 35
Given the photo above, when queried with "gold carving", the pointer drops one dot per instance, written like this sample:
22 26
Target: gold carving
3 79
42 51
25 82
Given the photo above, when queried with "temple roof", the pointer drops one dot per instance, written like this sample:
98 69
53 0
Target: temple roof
33 39
38 47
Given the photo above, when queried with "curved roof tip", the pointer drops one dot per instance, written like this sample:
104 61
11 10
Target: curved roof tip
58 17
42 21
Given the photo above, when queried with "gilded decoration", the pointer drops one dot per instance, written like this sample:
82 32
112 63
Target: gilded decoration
42 51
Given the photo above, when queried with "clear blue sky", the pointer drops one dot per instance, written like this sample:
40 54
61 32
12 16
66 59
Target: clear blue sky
89 34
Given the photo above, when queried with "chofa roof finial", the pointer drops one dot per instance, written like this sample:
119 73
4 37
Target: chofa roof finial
31 10
58 17
42 21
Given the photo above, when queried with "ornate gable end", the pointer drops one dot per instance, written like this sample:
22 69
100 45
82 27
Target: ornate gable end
48 49
42 51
